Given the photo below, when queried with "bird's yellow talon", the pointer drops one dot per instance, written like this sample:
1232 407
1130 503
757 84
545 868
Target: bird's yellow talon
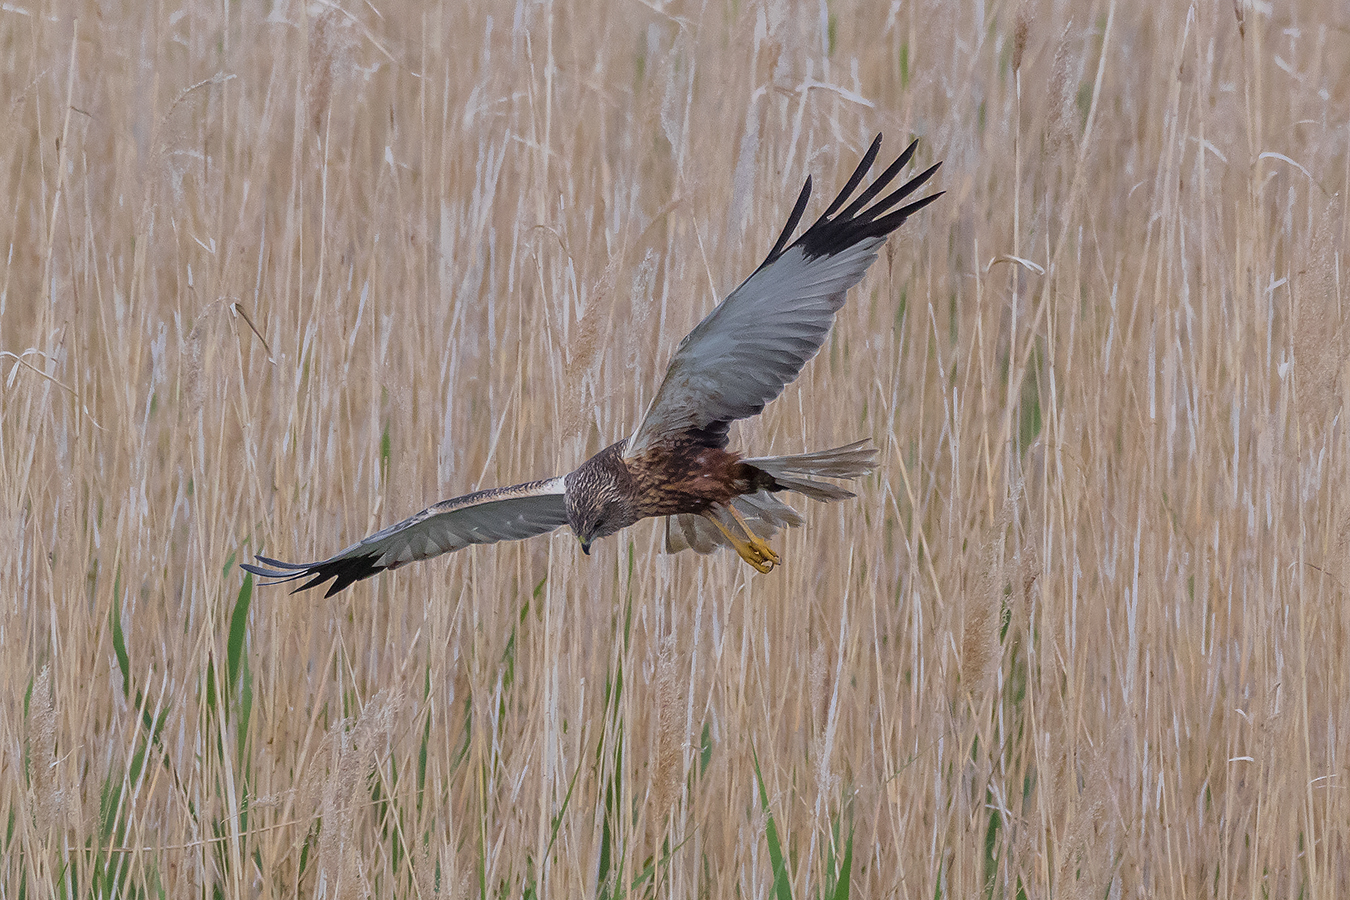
752 548
764 565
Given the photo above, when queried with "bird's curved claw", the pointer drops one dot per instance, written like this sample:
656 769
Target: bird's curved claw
764 559
752 548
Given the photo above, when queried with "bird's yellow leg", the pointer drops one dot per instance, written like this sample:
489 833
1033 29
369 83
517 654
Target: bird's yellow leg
761 546
753 548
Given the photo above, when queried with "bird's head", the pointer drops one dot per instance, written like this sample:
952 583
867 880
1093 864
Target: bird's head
597 504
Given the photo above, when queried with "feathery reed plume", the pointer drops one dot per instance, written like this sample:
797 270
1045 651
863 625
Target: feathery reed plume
815 681
48 800
1089 851
1030 568
644 278
329 55
584 353
192 366
1021 28
353 750
981 649
668 767
743 177
1319 350
822 745
1060 127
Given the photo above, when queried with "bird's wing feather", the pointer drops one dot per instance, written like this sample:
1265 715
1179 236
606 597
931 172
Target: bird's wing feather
485 517
756 341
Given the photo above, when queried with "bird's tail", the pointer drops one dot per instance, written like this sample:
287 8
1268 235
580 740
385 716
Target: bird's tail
799 473
763 511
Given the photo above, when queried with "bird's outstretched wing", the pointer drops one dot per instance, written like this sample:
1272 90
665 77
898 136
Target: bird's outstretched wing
758 339
501 514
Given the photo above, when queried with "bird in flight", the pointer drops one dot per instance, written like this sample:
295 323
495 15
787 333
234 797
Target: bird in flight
676 464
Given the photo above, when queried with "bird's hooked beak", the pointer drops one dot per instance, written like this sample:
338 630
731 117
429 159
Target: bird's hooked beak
585 546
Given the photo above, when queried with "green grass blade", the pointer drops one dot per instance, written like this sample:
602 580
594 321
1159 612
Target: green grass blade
782 886
118 638
234 647
841 884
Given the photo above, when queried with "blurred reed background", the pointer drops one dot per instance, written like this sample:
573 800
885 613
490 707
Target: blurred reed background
271 279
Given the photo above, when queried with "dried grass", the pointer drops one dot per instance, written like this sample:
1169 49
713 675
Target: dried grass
471 235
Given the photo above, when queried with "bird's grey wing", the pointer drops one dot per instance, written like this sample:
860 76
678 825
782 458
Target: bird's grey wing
756 341
501 514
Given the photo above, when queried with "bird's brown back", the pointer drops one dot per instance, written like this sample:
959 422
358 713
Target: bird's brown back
688 478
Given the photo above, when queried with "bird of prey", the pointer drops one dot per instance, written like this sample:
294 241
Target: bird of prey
676 463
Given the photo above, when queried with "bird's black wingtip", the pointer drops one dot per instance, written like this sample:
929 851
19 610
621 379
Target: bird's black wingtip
343 572
272 568
836 230
792 221
865 216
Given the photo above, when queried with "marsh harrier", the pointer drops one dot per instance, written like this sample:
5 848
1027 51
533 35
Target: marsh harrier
676 464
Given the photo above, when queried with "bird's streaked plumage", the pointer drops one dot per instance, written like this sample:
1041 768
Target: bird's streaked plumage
675 464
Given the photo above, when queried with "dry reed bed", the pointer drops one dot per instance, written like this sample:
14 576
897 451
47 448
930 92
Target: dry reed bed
1083 634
